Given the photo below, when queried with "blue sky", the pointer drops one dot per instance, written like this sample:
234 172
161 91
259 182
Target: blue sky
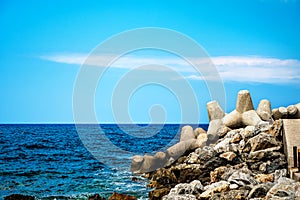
254 44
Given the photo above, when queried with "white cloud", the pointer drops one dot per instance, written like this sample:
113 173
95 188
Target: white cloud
231 68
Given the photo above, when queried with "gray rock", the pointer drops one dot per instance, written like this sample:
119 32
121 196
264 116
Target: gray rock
149 164
187 133
179 149
279 174
260 191
195 187
214 111
223 145
283 190
220 186
264 110
244 101
136 163
242 179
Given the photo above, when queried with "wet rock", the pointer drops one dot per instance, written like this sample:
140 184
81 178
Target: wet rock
117 196
19 197
214 111
96 197
187 133
158 194
220 186
264 110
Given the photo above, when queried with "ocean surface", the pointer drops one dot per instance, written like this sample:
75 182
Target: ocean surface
64 161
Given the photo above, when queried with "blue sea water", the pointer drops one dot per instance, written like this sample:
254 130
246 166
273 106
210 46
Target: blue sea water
60 161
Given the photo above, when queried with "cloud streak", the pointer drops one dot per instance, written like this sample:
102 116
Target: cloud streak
231 68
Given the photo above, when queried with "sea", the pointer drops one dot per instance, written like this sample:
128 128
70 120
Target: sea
68 161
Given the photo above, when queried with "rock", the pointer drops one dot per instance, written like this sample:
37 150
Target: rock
217 173
136 163
193 188
187 133
162 178
179 149
264 110
292 110
260 142
179 197
242 179
199 142
233 119
231 195
244 102
192 158
220 186
158 193
284 189
297 115
279 174
276 114
19 197
199 131
228 156
283 111
236 138
96 197
214 111
212 132
222 146
223 130
247 132
259 191
263 178
250 118
149 164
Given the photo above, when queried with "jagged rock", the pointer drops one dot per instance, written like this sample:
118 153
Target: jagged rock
179 149
279 174
264 110
292 110
284 189
19 197
212 132
242 179
223 145
260 191
183 189
136 163
214 111
236 138
158 193
247 132
192 158
244 101
187 133
205 154
220 186
199 131
276 128
223 130
233 119
217 173
231 195
260 142
228 156
116 196
263 127
162 177
263 178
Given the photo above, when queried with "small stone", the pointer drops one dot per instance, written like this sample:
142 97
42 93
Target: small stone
263 178
233 186
221 186
228 156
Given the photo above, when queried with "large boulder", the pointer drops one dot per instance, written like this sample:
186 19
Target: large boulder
214 111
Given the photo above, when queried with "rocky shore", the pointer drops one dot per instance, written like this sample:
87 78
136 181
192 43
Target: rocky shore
241 156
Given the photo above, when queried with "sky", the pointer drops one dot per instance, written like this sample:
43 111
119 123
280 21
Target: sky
253 44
